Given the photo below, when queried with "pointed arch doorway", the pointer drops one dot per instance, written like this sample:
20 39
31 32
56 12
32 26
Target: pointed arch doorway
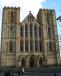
23 62
31 62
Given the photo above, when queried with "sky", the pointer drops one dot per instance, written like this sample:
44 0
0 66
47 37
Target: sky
33 6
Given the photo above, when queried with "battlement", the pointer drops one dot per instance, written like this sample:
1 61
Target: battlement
46 9
11 7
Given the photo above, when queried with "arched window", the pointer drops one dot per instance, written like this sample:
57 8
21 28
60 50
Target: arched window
31 62
11 46
23 62
40 32
21 45
50 47
26 45
36 45
12 32
30 30
30 18
11 28
40 43
21 31
31 45
35 30
49 32
40 61
12 13
26 32
13 16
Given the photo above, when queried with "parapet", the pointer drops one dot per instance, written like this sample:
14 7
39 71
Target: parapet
46 9
11 7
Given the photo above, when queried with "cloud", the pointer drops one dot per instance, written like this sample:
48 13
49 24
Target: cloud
26 5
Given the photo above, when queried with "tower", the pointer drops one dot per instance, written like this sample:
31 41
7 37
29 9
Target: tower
47 18
10 36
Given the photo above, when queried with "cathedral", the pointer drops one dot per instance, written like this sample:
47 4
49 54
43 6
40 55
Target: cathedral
30 43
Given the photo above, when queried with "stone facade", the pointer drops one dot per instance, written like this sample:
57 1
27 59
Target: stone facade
30 43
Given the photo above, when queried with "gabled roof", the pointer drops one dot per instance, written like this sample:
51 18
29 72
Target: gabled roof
30 18
29 15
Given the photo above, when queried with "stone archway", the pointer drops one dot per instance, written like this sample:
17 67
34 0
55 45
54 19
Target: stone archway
31 62
23 62
40 61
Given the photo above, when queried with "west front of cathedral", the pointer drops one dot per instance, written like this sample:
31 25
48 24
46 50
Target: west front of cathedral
30 43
